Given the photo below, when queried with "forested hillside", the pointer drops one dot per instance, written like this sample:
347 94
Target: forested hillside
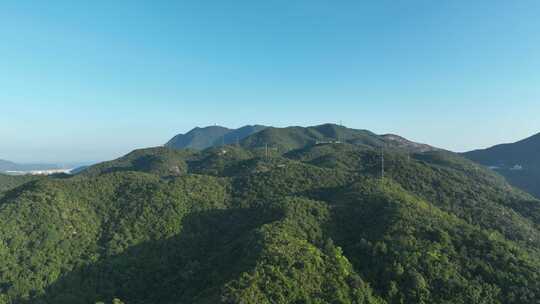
291 138
8 182
303 223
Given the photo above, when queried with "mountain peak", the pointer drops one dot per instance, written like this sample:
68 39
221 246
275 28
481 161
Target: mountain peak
294 137
200 138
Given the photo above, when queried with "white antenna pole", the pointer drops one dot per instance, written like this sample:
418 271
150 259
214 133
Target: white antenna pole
341 125
338 137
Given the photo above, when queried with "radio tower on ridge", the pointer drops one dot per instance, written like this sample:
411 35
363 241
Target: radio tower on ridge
382 163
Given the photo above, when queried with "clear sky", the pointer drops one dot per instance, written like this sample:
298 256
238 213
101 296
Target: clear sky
92 80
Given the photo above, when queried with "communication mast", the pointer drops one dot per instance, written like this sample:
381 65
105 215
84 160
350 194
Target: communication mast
338 136
382 163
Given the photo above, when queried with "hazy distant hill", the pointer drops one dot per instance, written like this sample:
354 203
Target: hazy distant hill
6 165
202 138
11 166
519 162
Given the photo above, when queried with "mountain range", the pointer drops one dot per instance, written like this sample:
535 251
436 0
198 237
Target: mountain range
518 162
322 214
259 136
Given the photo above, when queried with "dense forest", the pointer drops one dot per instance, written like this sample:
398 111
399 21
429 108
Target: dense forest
296 215
8 182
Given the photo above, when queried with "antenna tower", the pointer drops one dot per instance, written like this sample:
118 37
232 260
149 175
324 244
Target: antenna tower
339 137
382 163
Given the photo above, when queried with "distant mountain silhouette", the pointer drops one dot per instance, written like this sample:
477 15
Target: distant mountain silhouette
202 138
11 166
6 165
519 162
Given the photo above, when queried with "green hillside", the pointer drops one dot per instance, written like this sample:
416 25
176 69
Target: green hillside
8 182
161 161
302 224
290 138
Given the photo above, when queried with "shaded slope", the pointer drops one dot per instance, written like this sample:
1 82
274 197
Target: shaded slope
202 138
52 228
519 162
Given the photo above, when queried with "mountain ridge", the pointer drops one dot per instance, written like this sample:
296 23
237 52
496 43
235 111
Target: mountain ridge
201 138
6 165
519 162
291 137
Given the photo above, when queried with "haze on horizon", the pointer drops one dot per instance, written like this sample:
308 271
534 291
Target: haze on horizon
92 81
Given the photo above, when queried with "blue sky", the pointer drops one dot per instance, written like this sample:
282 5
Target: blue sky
92 80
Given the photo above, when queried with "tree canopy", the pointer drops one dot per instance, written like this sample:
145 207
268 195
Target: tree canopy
234 224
